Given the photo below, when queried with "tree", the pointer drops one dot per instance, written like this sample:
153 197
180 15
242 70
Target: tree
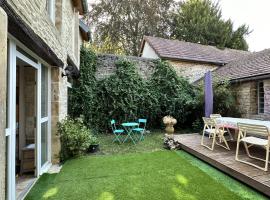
200 21
120 25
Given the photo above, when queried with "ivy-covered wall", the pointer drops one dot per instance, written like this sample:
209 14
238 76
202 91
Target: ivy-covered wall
128 88
106 65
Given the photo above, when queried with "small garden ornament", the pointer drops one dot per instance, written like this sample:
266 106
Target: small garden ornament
169 121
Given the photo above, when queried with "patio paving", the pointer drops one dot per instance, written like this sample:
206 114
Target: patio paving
224 160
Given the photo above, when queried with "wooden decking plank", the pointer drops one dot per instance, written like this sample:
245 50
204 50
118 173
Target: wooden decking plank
225 161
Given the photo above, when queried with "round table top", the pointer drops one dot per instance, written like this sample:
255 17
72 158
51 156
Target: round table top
130 124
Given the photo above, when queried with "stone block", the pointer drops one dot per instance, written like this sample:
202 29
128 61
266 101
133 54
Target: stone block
3 93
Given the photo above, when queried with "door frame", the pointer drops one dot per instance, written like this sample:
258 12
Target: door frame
10 132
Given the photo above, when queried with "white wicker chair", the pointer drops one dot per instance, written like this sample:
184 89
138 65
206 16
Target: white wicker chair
217 132
248 134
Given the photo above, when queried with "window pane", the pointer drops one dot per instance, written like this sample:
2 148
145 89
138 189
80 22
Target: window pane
260 97
44 143
44 91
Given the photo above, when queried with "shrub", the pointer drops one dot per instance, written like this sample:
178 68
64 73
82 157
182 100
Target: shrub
174 95
224 103
75 138
125 96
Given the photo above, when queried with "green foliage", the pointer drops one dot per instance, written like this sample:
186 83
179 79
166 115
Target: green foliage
125 96
120 97
81 95
200 21
173 94
120 25
75 138
224 103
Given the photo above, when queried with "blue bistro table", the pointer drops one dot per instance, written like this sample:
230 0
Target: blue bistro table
128 126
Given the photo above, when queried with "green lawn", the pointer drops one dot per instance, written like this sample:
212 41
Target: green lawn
143 172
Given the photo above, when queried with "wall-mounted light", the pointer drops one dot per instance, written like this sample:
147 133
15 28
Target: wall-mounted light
71 72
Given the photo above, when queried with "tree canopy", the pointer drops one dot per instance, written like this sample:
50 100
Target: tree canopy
120 25
200 21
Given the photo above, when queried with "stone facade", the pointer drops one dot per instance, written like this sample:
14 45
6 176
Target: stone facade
3 76
61 37
191 70
247 99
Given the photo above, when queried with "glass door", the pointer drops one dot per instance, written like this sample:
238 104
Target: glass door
11 122
42 108
45 113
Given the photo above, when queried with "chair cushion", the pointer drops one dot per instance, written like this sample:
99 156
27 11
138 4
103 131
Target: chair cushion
138 129
118 131
255 140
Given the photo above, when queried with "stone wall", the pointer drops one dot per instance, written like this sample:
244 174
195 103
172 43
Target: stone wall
106 65
247 99
60 36
59 100
191 70
3 79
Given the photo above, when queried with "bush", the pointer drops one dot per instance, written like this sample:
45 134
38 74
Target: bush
224 103
125 96
174 95
75 138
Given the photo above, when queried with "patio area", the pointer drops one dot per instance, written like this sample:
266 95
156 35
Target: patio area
224 160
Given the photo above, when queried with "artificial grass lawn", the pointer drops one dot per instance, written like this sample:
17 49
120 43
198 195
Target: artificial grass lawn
141 172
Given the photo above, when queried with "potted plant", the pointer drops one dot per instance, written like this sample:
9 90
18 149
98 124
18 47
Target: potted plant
169 122
94 145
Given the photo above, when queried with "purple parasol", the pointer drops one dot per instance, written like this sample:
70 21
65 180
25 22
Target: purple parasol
208 94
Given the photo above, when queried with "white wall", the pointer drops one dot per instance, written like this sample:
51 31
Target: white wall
148 52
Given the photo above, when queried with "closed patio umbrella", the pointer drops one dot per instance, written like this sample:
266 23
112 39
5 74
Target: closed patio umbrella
208 94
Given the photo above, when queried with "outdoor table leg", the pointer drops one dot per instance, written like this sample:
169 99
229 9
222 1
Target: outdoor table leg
129 135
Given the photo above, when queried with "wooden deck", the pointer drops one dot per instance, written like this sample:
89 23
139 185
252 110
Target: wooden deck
224 160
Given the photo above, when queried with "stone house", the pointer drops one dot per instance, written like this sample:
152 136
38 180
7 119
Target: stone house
188 59
40 53
250 79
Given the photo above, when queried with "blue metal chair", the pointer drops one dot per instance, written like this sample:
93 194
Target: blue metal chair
141 128
117 132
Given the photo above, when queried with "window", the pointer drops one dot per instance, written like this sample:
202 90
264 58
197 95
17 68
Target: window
50 8
260 90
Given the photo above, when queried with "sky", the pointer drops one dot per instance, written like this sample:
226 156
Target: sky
254 13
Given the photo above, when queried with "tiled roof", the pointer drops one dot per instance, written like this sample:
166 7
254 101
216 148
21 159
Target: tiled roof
180 50
255 65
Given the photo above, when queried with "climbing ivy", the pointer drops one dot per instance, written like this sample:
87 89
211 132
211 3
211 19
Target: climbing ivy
126 96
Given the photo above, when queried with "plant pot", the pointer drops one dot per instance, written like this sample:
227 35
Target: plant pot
93 148
169 129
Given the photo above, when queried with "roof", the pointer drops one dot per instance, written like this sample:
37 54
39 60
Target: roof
254 66
85 30
187 51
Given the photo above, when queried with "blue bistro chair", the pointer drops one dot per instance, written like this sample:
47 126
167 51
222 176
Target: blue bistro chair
117 132
141 128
